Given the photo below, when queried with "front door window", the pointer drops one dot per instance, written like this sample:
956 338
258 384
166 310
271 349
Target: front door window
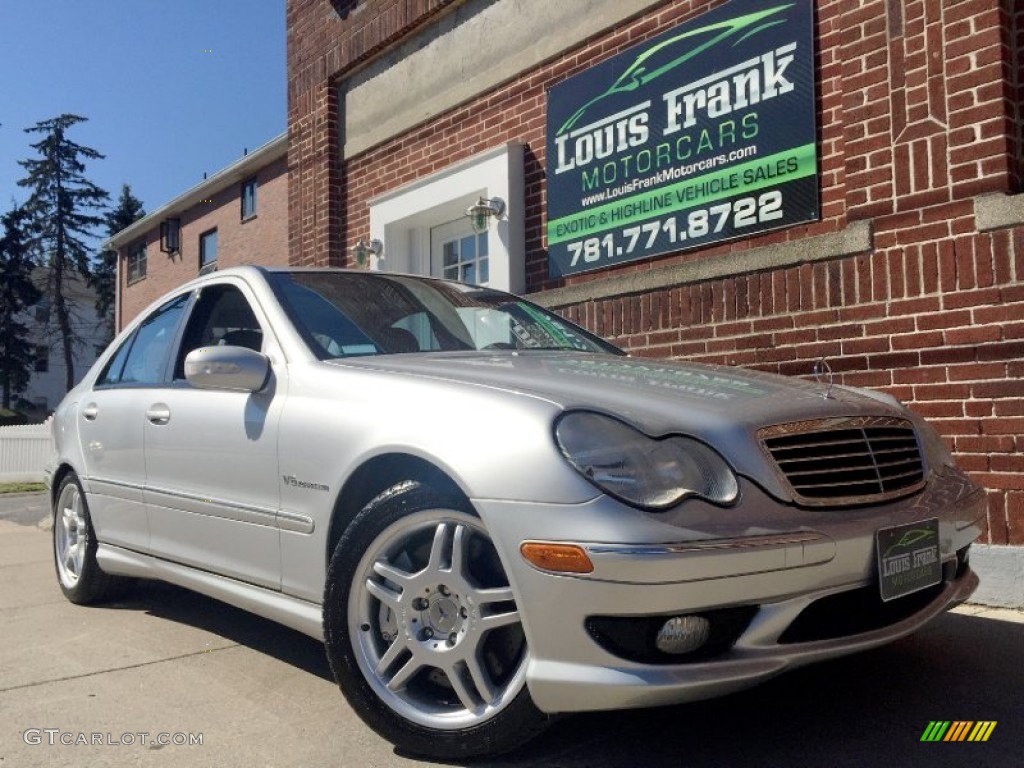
459 253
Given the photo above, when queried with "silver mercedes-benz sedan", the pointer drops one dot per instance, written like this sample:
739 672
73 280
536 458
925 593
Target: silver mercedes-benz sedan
489 515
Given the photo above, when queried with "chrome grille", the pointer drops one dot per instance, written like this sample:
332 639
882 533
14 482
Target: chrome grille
833 462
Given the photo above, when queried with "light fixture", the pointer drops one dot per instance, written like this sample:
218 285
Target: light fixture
683 634
362 251
170 235
483 210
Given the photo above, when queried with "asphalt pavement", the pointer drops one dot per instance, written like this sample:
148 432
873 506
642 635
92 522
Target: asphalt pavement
108 686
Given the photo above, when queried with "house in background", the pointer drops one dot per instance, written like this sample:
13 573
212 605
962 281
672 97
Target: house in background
46 384
237 216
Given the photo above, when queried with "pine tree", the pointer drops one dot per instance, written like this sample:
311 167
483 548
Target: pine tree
64 209
17 293
104 274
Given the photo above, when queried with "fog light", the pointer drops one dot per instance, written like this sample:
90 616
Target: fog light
683 634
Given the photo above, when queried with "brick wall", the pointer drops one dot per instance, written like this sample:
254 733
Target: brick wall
918 114
259 240
325 39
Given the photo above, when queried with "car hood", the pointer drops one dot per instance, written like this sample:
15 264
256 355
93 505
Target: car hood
723 406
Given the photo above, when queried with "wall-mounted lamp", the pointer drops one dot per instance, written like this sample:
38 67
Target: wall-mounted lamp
170 235
362 251
483 210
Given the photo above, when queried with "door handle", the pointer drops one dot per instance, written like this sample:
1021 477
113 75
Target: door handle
158 413
90 412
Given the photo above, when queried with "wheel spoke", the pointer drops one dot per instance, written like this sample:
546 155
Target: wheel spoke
391 573
71 559
459 543
385 595
404 674
458 682
389 657
437 547
494 595
499 620
481 678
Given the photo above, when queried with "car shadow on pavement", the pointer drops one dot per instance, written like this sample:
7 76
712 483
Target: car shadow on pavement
866 709
172 603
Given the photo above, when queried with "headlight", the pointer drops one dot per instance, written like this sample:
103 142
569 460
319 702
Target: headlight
936 454
641 470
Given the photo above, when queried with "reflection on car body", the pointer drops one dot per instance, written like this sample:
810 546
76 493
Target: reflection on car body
490 515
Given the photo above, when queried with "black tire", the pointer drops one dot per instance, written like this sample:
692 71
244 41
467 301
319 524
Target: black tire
396 528
80 577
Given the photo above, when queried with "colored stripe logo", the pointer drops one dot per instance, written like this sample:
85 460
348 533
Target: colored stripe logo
958 730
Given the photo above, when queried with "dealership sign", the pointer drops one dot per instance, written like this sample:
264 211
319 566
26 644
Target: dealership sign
704 133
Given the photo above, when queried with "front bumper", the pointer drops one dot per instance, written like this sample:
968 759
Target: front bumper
777 559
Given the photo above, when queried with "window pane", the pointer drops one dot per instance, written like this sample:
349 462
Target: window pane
207 248
451 253
112 374
148 356
137 264
485 270
469 273
468 247
249 199
221 315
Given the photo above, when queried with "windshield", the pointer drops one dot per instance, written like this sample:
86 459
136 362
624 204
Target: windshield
345 314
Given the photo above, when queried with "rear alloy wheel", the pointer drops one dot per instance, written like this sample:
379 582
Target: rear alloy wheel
423 631
74 549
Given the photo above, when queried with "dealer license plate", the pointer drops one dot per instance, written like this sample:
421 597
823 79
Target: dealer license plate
908 558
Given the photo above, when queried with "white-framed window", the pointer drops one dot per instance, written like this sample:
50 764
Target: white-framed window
459 253
425 230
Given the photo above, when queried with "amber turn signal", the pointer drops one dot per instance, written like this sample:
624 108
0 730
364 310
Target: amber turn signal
560 558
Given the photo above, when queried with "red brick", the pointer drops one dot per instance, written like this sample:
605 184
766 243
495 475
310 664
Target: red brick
1000 480
1008 407
978 408
942 392
996 523
975 335
985 444
937 409
976 372
917 340
1008 426
998 389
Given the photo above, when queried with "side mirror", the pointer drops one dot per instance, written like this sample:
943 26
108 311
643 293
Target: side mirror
238 369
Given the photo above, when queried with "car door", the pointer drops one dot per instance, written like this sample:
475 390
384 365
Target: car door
213 487
111 427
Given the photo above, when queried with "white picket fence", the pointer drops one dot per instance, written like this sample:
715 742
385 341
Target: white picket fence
23 452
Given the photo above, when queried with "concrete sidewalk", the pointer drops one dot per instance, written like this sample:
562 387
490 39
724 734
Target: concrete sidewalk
167 661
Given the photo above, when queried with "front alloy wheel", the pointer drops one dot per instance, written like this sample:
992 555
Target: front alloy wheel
423 630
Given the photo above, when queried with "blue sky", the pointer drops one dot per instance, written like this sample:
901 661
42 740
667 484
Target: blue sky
172 88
